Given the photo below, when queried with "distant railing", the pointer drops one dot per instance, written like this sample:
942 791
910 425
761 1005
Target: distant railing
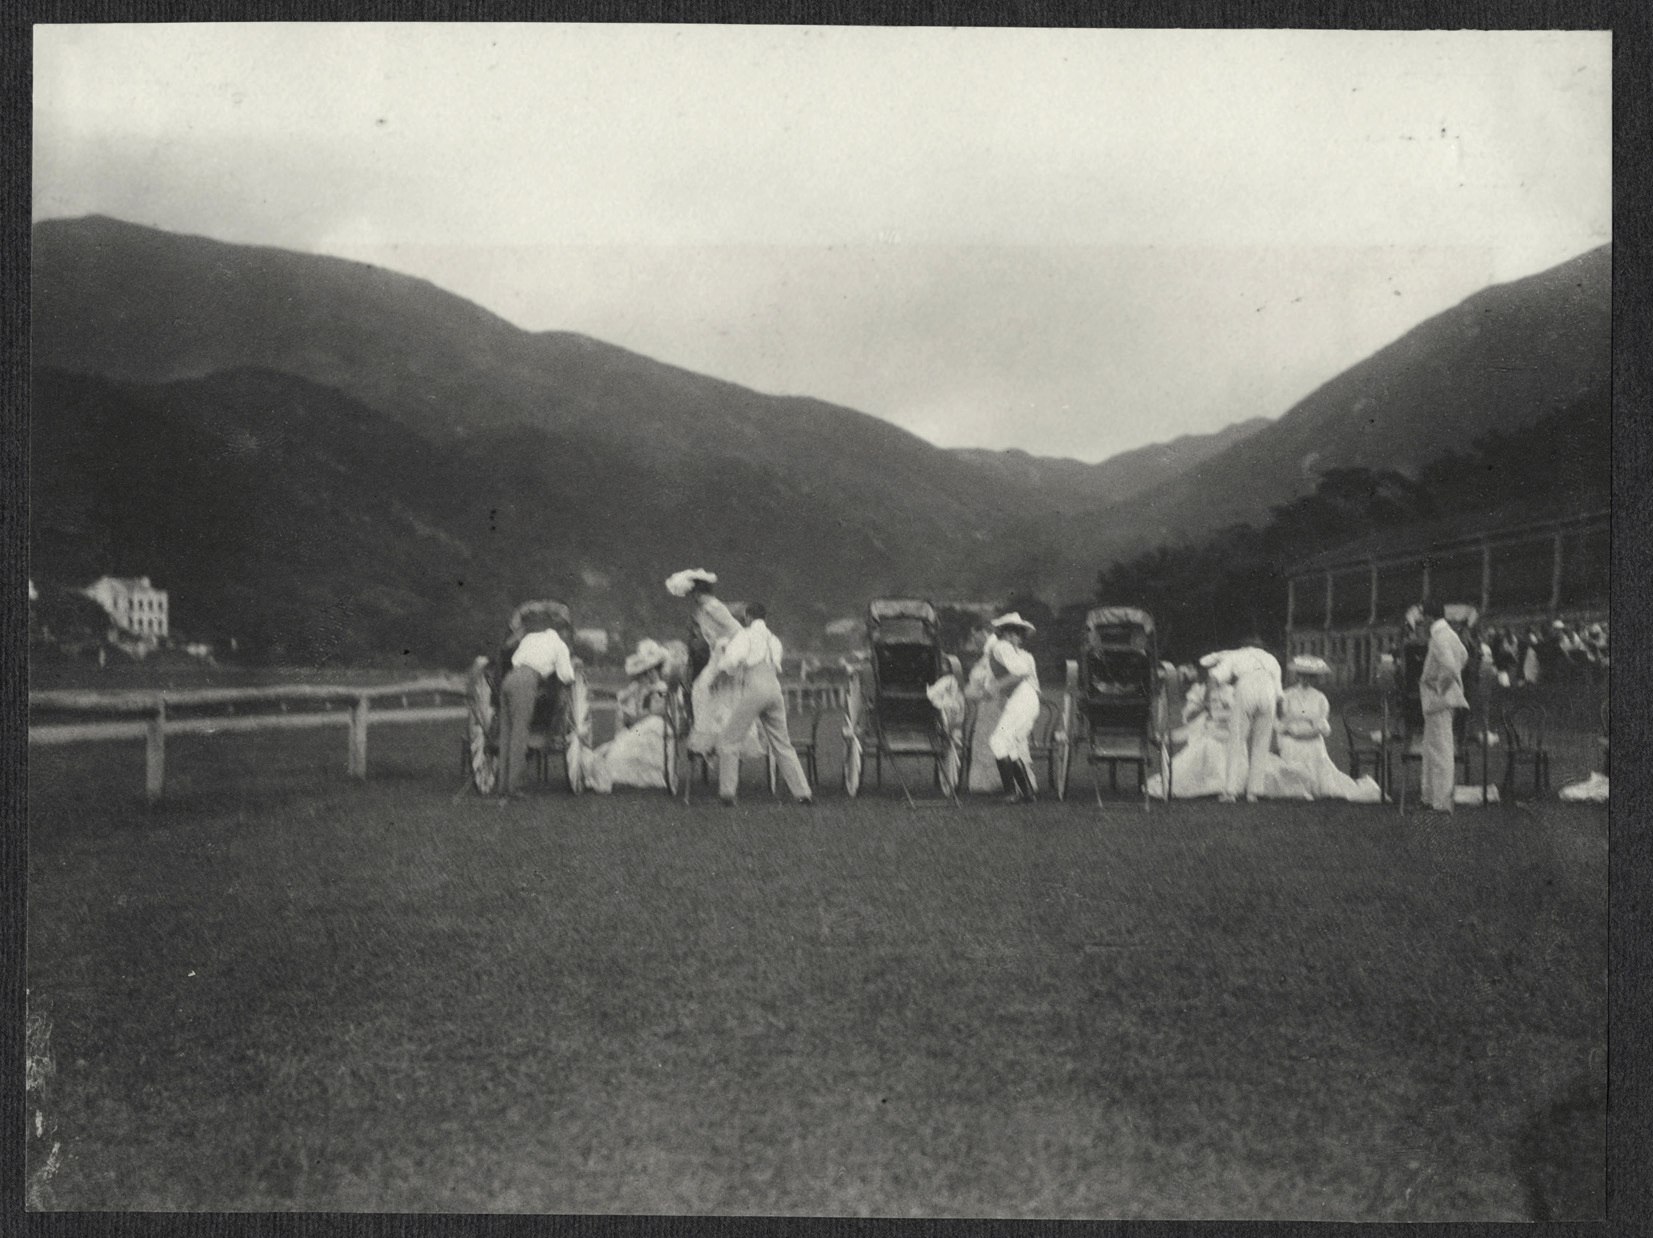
801 697
155 714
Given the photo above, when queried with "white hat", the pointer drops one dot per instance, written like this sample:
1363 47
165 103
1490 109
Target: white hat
678 584
1014 620
1308 664
649 654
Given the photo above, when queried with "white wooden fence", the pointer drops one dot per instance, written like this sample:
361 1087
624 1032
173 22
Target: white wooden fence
154 715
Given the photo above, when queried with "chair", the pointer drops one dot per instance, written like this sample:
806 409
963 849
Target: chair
1467 744
1368 746
540 748
1409 748
1522 728
1042 743
808 744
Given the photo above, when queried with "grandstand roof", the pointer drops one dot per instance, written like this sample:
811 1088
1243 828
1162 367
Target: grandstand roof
901 608
1132 615
1512 522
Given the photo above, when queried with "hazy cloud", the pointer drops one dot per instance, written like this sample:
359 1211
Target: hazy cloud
1073 241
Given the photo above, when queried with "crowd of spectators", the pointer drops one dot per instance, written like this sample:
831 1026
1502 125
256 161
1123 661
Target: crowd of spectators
1562 651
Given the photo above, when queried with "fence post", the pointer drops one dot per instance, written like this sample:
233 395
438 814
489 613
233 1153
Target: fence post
358 738
155 753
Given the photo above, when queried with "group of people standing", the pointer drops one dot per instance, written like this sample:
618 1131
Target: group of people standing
736 699
1247 734
1562 650
736 706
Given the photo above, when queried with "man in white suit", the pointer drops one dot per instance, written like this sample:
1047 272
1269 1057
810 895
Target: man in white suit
1255 674
1441 690
752 661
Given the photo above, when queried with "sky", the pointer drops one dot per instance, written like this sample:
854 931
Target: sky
1073 242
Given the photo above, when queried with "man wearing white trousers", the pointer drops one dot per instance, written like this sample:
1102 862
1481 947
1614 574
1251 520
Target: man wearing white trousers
538 656
752 660
1013 674
1441 691
1255 674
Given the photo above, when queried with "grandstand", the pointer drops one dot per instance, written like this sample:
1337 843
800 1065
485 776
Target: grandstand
1347 604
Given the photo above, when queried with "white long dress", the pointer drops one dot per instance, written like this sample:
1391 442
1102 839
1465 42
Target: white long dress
636 756
1021 703
713 694
1012 736
984 772
1201 767
1304 724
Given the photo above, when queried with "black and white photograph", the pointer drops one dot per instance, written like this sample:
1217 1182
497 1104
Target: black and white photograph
819 621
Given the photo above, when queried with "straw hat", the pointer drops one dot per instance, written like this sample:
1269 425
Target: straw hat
649 655
678 584
1014 620
1308 664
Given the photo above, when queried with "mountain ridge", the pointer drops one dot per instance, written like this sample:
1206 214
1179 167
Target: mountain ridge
610 465
1501 358
1073 484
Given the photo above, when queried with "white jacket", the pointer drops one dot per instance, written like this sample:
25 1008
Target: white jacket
751 647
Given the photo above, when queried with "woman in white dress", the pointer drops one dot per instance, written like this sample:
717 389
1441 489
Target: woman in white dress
987 707
1200 767
1012 676
636 756
712 696
1305 721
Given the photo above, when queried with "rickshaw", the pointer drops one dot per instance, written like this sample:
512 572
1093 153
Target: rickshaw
561 723
1122 715
896 719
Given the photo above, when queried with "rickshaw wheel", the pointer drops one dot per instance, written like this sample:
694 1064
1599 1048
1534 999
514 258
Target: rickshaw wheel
670 764
852 766
572 763
1067 768
484 766
948 769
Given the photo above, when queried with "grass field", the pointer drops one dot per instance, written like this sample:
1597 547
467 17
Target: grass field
287 990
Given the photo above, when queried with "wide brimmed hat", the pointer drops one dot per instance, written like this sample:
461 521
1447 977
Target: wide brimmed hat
1308 664
678 584
649 654
1013 620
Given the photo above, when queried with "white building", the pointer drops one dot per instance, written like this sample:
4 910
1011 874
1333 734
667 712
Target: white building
132 604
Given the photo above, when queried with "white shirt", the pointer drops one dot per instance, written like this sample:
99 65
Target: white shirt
1012 661
1441 683
752 646
545 653
1232 665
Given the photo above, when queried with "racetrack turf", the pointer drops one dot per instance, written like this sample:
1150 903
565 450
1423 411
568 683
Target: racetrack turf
285 990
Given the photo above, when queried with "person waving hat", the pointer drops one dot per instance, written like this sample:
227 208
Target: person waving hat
1013 675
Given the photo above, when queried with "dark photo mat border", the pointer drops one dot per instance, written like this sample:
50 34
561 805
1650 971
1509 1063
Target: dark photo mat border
1630 1129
